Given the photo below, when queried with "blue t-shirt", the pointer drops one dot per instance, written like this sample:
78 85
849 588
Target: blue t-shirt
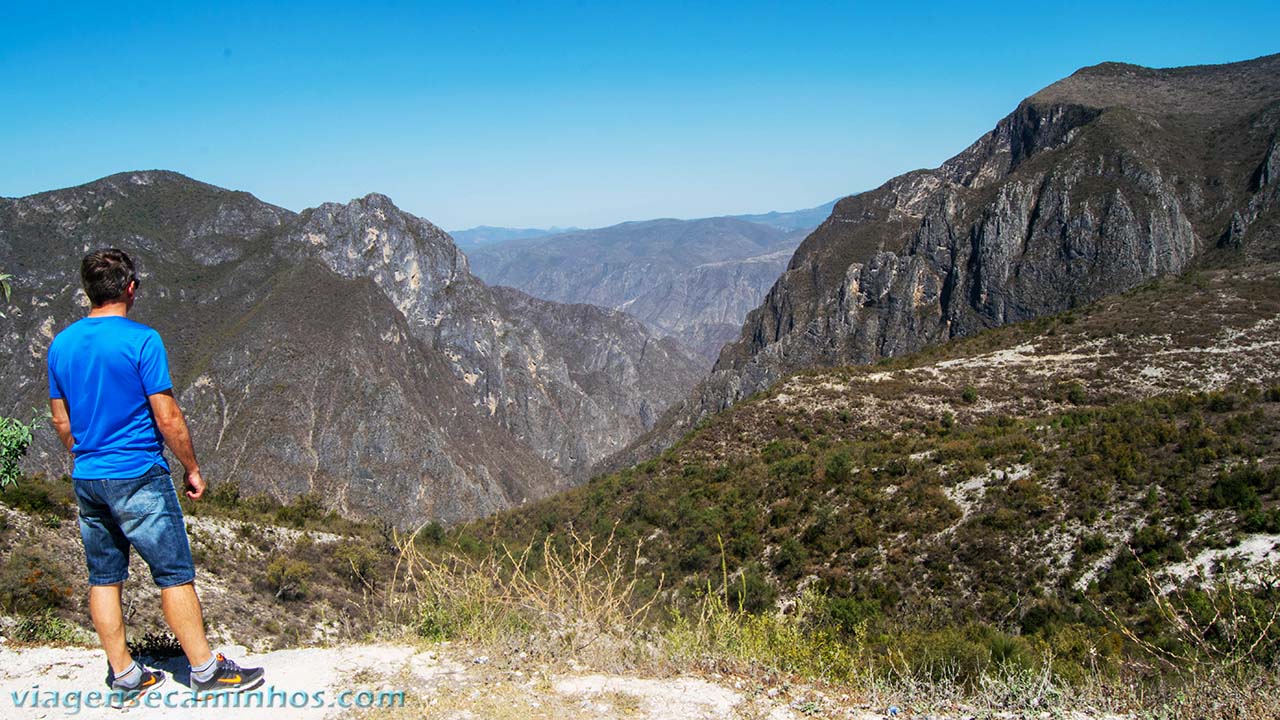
105 367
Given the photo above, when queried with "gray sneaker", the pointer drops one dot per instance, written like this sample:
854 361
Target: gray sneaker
123 697
228 677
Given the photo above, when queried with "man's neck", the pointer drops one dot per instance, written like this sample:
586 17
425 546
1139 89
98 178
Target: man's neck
111 309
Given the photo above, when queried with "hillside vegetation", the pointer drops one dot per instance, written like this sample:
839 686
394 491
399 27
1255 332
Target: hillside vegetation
1098 487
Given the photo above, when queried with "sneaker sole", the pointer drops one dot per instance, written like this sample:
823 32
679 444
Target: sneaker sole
216 692
132 702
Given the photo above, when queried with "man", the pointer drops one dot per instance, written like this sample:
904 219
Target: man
113 407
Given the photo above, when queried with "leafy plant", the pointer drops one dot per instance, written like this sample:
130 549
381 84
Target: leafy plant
15 438
5 288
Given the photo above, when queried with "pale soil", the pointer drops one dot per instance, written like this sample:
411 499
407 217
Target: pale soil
439 681
1253 559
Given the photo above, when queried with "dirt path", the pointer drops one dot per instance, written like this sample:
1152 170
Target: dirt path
410 682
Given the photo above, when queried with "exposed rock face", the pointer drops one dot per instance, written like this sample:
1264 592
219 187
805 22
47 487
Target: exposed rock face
557 396
1097 183
346 350
325 389
694 280
621 373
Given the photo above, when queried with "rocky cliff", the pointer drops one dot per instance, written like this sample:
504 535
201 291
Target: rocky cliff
346 351
1095 184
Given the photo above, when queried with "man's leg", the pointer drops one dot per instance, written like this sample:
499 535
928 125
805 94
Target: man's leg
108 620
182 611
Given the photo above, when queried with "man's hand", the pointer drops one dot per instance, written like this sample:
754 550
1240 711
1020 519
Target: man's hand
194 484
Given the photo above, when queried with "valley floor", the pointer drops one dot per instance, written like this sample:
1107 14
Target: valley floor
437 681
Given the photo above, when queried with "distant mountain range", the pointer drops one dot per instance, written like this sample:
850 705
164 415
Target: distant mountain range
694 280
482 235
783 220
807 219
345 351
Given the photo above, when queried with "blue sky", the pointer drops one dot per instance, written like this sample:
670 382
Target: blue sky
537 114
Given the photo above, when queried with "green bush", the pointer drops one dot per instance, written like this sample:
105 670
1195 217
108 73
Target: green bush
1221 402
1076 394
1241 487
260 505
1093 543
1261 521
287 578
224 495
301 510
42 497
838 467
751 591
779 450
357 562
790 557
851 615
963 654
437 623
45 627
432 533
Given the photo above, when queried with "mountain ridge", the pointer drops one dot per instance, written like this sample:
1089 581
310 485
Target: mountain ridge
438 439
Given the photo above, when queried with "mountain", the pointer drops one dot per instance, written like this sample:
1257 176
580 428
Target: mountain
481 235
690 279
1025 478
1100 182
805 220
345 351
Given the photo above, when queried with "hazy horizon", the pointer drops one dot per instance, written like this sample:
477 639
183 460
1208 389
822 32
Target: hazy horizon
559 115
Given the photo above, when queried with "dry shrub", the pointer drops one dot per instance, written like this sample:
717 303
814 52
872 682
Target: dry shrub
32 580
1215 625
581 601
1222 650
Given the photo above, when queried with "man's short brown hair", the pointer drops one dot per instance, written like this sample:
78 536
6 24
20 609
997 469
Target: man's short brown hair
106 274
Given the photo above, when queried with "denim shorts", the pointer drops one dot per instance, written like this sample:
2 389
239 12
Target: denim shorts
142 512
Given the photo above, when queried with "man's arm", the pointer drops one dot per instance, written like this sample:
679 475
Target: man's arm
62 421
173 426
